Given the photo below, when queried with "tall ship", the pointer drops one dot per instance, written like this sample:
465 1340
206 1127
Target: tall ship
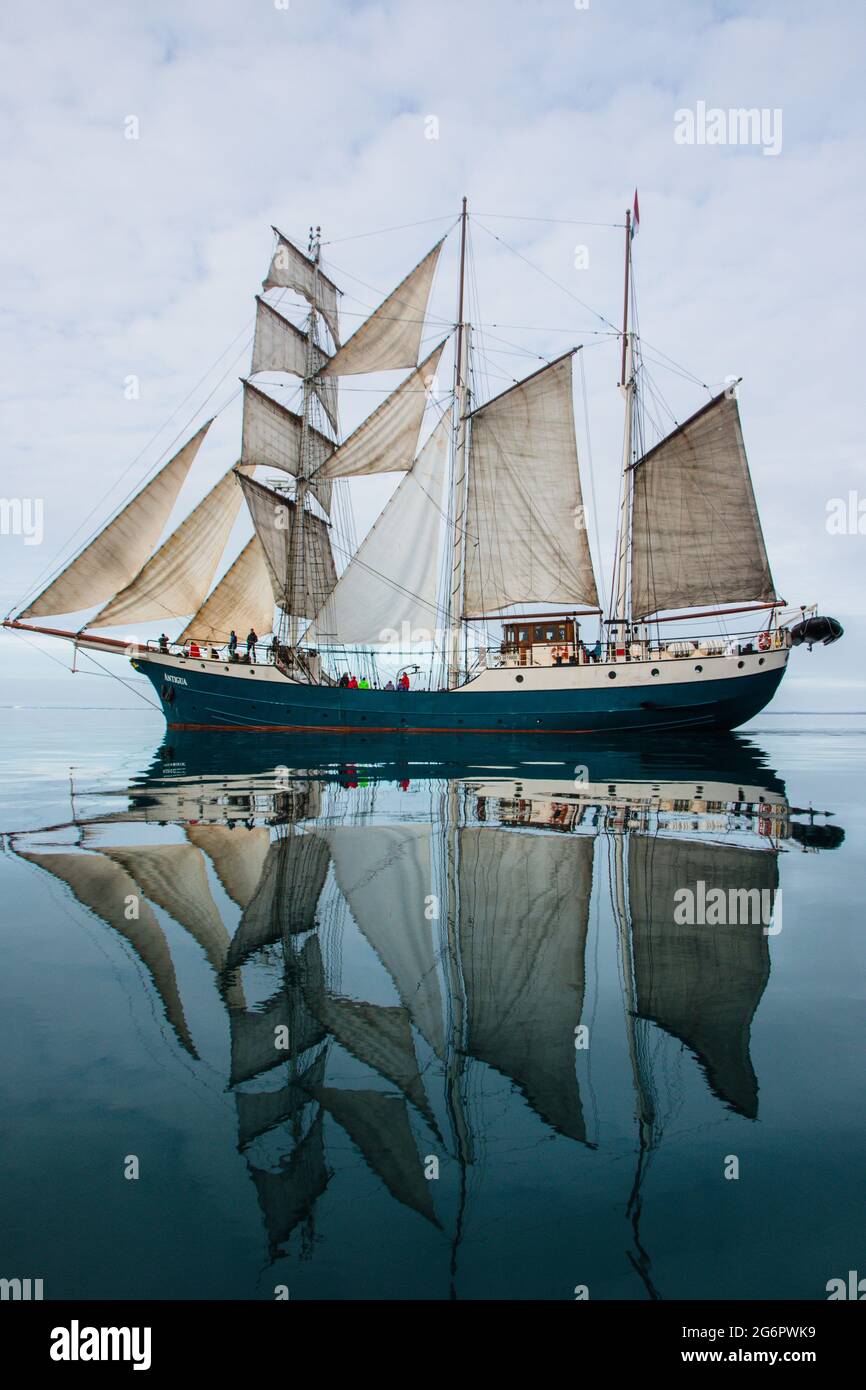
472 604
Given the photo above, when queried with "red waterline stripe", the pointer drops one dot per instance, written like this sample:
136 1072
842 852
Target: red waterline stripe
417 728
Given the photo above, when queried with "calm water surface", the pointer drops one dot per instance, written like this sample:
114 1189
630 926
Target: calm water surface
425 1020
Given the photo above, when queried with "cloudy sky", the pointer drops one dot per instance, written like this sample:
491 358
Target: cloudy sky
140 256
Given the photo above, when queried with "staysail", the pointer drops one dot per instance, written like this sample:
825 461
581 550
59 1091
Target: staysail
283 536
174 581
386 442
526 539
242 599
292 270
116 555
696 535
367 602
390 339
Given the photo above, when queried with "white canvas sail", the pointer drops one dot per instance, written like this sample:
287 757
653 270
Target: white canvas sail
392 578
390 338
278 346
387 440
696 535
291 269
273 437
116 555
526 540
275 518
242 599
174 581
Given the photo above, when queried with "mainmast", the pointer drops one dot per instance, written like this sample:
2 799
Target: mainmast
458 474
621 614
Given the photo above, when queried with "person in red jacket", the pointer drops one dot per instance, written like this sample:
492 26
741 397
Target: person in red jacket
353 683
403 682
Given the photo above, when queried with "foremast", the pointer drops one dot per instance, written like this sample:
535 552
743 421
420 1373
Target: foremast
290 622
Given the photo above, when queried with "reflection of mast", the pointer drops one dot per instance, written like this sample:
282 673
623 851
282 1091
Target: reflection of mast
646 1111
456 1042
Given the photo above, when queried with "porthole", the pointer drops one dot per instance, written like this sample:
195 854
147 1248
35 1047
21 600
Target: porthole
741 664
611 675
699 668
518 679
760 661
654 671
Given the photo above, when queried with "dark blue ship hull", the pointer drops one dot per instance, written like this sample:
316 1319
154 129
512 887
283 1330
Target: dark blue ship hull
203 699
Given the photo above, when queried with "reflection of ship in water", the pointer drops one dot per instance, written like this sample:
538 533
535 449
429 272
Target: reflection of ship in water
474 899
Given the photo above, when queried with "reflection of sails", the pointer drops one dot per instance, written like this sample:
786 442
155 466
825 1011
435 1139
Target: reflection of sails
237 854
701 983
285 898
524 909
106 888
379 1125
384 873
287 1197
496 979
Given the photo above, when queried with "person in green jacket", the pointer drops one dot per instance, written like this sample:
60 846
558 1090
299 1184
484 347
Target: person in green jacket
363 683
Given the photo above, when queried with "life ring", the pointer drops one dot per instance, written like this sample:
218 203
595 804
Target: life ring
764 642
